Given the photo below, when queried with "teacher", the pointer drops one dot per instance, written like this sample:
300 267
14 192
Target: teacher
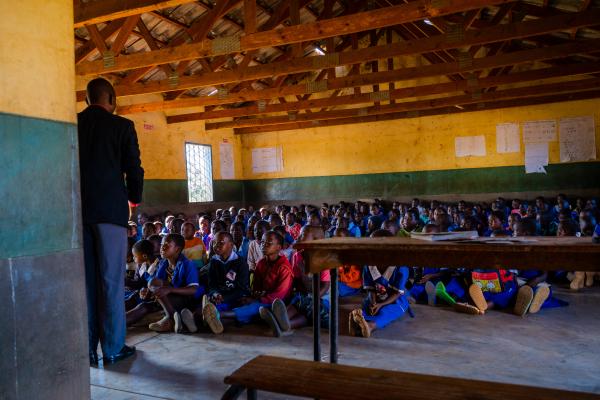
111 175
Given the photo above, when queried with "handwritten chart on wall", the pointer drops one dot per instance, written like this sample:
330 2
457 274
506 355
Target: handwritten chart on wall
469 146
267 159
539 131
226 157
508 139
577 139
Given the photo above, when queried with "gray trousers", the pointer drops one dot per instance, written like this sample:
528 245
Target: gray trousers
105 251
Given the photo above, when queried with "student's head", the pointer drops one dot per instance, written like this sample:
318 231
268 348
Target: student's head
390 226
540 203
587 223
156 241
204 224
380 233
566 228
158 226
130 243
342 222
217 226
290 219
169 221
223 245
314 219
524 227
272 244
142 218
148 229
410 219
237 232
431 228
275 220
264 212
187 230
309 232
131 229
468 223
516 204
143 251
513 218
260 228
100 92
176 225
172 245
219 213
495 220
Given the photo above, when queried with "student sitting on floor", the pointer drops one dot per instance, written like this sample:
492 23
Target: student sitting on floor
534 292
386 301
287 249
240 241
194 246
496 225
204 231
254 248
148 229
298 313
175 286
349 276
272 280
228 281
492 288
146 264
291 226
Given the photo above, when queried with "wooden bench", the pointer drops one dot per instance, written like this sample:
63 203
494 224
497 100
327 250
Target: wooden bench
334 381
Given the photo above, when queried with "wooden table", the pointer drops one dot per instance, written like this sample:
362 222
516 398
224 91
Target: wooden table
541 253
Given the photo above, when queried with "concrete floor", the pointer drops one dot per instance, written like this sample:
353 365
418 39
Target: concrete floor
557 348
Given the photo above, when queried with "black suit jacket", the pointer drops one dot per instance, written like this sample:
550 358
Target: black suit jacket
111 170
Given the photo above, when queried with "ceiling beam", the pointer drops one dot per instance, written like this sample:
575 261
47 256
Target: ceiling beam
450 101
88 48
555 98
95 12
344 25
396 94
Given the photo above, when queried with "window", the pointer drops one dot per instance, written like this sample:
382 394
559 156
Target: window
199 172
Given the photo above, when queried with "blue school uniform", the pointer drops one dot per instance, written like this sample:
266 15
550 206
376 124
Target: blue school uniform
243 250
354 229
185 274
391 281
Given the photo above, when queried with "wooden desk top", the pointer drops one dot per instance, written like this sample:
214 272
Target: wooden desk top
545 253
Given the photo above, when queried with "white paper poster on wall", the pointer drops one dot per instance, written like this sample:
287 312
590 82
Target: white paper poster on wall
536 157
469 146
577 139
226 157
267 159
539 131
508 139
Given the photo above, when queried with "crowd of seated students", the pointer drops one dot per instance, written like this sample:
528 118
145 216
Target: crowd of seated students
241 265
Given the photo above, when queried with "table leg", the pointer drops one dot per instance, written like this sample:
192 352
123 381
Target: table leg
316 289
333 317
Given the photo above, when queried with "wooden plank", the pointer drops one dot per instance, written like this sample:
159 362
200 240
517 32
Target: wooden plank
349 57
530 91
249 16
311 379
348 82
293 34
96 38
95 12
121 39
546 253
394 94
555 98
84 51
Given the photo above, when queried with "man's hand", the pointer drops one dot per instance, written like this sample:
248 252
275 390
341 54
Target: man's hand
374 309
144 293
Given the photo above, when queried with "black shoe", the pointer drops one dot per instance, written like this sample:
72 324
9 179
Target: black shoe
93 359
125 352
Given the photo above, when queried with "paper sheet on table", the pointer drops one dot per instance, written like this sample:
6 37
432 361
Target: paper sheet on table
536 157
577 139
507 138
469 146
539 131
226 157
267 159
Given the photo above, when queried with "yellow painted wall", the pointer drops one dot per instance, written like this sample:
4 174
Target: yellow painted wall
162 146
36 55
417 144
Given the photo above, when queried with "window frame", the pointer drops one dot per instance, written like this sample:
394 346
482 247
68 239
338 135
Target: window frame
187 172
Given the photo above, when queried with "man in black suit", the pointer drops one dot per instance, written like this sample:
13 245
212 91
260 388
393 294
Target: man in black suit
111 175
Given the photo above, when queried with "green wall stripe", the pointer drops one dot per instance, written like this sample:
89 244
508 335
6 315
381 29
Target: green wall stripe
39 189
422 183
174 191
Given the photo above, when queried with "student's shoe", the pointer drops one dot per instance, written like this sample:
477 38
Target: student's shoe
477 296
430 290
205 301
541 295
524 298
440 291
187 317
353 328
589 279
164 325
177 323
126 351
212 318
360 320
279 310
269 318
93 359
466 308
578 280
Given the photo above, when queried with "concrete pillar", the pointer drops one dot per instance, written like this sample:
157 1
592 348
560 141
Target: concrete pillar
43 328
